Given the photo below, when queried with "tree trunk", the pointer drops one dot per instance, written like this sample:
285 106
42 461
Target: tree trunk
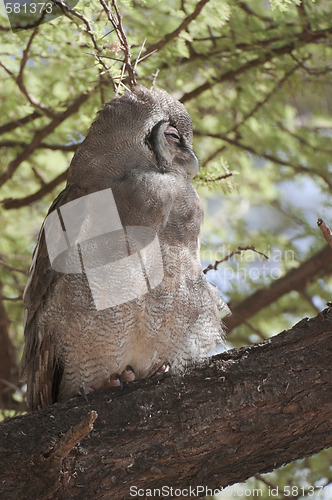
248 411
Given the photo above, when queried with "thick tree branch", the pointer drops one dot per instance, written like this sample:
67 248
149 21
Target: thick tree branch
250 410
296 279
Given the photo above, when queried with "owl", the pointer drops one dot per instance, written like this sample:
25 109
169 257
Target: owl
116 290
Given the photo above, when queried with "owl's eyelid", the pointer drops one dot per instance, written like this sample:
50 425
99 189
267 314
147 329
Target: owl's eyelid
173 135
172 132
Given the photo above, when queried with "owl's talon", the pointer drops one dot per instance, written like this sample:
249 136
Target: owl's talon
128 375
161 369
115 381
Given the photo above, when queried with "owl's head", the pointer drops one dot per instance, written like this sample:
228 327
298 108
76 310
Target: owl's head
141 129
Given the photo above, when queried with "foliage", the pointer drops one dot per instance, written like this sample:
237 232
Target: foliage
255 78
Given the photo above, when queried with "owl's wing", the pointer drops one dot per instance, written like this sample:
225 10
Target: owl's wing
39 366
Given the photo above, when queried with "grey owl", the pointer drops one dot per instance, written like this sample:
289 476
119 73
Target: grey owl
138 155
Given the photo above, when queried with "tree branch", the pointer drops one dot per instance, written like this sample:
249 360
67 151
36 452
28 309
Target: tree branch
9 126
296 279
174 34
43 145
116 21
41 134
20 79
249 411
300 39
287 163
89 31
9 203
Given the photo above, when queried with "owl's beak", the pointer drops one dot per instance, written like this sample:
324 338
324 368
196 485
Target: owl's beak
192 165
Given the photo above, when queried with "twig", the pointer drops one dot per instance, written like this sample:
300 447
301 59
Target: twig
264 480
251 12
120 80
116 21
174 34
326 231
105 57
73 437
12 386
88 29
216 179
7 70
212 155
309 300
238 251
303 141
139 55
155 76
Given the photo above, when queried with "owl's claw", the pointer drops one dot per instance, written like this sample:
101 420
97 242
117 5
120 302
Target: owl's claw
128 375
115 381
161 369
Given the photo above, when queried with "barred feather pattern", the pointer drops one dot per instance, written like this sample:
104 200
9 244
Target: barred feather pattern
140 146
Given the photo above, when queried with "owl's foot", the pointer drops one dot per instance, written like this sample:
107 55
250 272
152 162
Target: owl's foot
117 380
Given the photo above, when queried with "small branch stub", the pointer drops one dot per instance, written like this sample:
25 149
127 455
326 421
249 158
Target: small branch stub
73 437
325 230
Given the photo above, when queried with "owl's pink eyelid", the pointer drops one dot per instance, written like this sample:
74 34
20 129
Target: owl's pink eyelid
172 132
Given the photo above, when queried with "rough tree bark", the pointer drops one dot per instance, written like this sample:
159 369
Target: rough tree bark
248 411
6 357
